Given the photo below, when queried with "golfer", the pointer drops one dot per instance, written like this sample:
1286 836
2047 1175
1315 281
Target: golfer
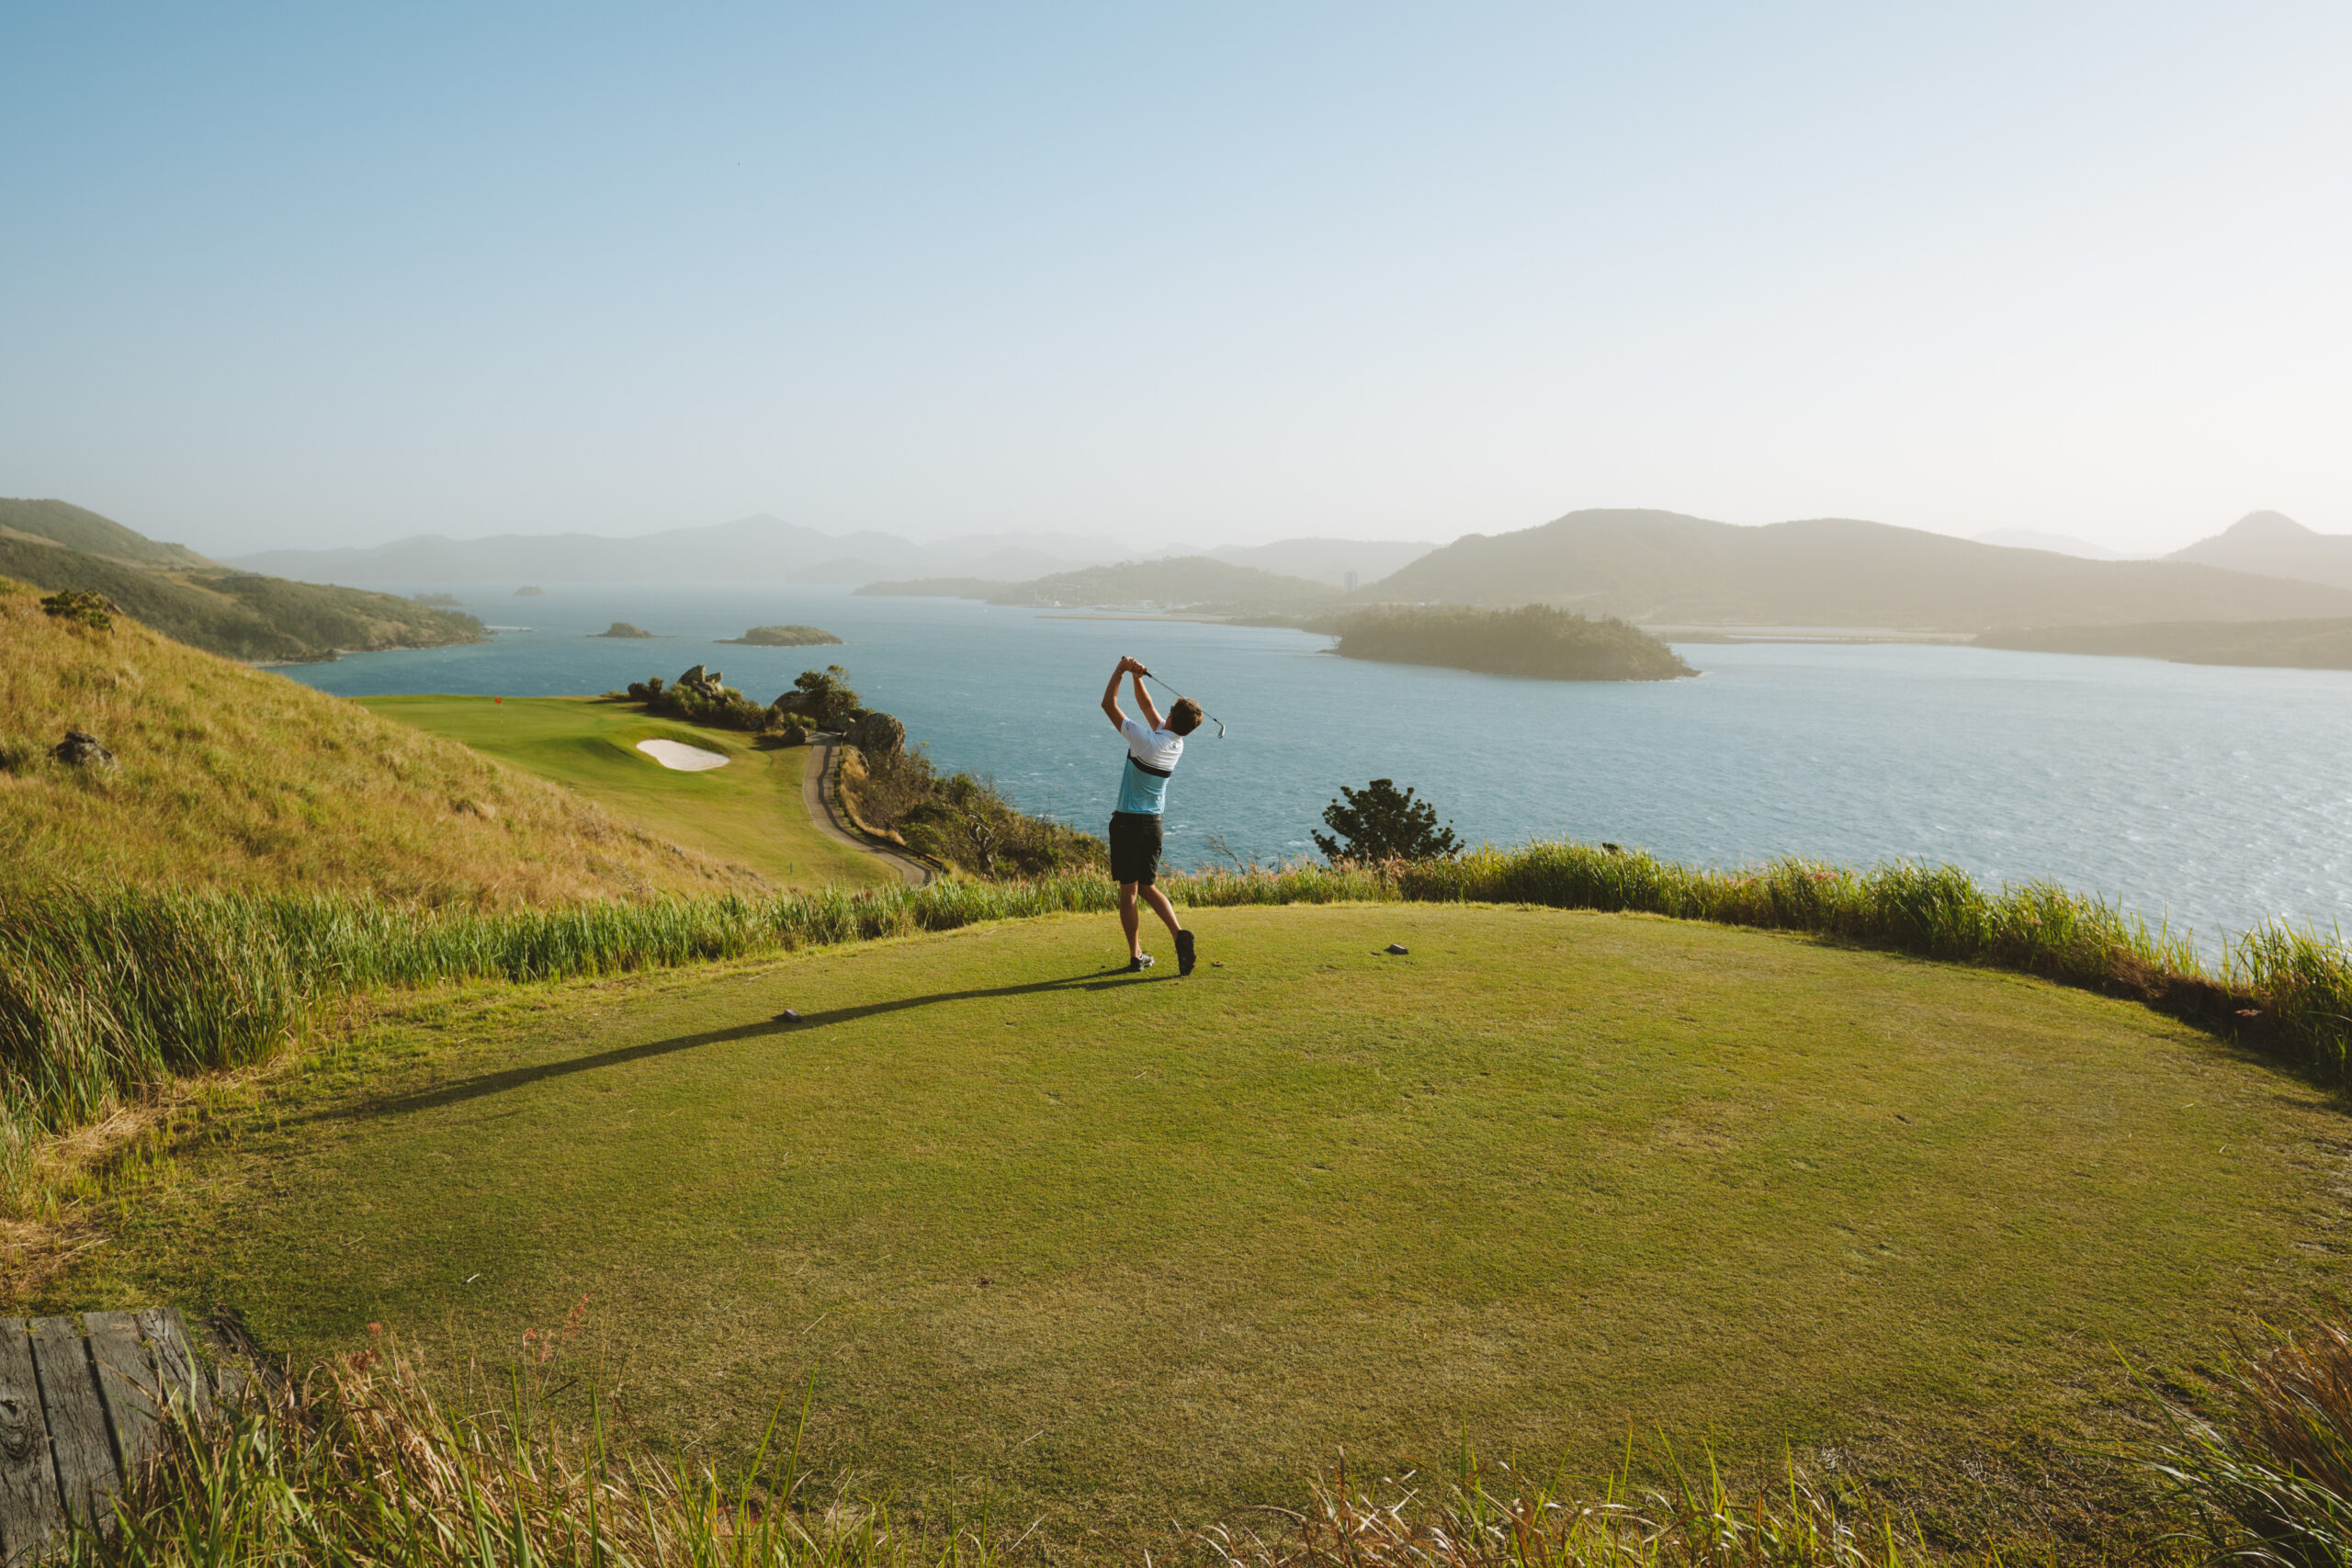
1152 750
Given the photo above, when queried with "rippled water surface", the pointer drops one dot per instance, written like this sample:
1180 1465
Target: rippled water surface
2214 796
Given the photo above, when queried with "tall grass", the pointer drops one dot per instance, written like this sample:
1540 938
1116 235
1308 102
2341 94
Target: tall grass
360 1463
107 994
1490 1516
2269 1480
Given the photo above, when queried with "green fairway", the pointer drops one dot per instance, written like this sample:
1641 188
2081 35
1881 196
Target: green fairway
750 812
1120 1251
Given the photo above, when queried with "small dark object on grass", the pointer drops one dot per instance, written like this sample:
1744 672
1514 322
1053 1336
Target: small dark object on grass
79 749
1398 948
1613 849
788 1016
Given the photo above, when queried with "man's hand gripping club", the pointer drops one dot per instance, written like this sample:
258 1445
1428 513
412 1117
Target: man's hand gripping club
1111 710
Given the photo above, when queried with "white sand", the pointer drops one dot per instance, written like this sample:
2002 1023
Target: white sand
685 759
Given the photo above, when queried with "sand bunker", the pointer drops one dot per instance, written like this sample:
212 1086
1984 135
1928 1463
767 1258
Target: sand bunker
684 758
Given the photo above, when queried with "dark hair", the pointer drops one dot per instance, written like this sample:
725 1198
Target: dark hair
1185 716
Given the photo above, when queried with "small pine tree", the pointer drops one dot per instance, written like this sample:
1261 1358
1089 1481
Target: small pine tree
1379 822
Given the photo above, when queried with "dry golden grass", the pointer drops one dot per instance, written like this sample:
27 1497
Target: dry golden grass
234 777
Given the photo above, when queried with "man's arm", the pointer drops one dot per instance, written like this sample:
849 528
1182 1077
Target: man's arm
1143 701
1111 695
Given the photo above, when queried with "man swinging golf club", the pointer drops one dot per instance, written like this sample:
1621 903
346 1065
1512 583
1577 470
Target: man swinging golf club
1153 748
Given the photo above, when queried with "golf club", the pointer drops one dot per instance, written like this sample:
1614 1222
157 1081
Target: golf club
1179 698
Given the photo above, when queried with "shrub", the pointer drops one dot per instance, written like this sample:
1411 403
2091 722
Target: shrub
1378 824
83 609
700 699
820 698
964 821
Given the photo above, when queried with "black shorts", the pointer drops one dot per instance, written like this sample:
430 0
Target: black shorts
1134 847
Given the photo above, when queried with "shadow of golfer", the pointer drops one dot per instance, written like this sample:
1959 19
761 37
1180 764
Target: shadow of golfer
517 1077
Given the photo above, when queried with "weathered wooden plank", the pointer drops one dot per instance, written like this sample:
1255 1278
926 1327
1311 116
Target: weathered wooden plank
166 1334
127 1385
78 1439
29 1511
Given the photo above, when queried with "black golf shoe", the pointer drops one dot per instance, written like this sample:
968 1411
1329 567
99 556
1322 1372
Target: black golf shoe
1138 966
1185 958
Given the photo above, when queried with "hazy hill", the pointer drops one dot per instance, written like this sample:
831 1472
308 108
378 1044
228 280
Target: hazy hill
1532 641
1183 582
229 776
2276 546
2060 544
1325 560
1665 568
2298 644
933 588
241 614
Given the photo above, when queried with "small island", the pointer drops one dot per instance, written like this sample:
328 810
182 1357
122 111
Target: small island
622 628
1533 640
781 637
528 591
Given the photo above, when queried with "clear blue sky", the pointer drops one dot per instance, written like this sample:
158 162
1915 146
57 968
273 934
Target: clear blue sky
336 273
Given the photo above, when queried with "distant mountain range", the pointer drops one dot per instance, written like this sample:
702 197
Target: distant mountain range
1648 567
768 550
1662 567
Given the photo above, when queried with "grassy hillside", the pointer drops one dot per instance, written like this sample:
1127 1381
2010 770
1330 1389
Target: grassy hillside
261 619
1183 582
748 813
179 593
60 523
1533 640
1662 567
1548 1177
2300 645
234 777
2276 546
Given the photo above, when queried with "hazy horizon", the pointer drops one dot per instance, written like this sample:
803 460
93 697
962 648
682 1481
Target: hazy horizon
297 280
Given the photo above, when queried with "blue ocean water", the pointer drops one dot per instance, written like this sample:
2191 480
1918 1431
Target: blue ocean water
2212 797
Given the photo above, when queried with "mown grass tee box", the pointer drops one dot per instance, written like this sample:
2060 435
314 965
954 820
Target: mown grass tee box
1113 1249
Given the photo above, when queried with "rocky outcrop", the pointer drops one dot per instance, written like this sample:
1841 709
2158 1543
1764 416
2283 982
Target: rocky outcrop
79 749
877 735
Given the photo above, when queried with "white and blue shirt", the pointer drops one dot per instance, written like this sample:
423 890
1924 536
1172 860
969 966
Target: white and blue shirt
1152 757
